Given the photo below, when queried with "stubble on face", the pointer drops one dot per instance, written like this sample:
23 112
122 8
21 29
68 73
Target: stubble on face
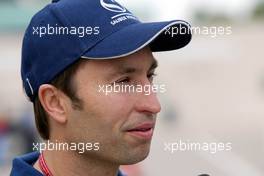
106 119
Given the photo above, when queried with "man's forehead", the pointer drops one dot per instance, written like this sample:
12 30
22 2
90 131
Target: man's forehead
142 61
137 62
144 57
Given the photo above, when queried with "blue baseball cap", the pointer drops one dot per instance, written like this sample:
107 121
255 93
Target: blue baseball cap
65 31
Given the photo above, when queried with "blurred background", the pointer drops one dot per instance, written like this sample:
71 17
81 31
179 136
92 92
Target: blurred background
215 88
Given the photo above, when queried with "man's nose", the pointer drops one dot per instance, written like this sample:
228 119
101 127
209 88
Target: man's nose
148 103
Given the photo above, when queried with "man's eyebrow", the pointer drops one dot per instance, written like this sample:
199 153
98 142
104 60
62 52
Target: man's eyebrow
121 70
127 69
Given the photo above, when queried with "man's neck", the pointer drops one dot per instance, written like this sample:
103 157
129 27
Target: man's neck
71 163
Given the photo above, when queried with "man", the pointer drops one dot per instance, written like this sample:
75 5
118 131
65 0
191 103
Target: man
73 52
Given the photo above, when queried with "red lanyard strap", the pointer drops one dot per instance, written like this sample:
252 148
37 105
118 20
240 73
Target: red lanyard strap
43 166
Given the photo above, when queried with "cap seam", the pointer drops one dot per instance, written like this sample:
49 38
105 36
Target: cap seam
108 36
64 21
143 45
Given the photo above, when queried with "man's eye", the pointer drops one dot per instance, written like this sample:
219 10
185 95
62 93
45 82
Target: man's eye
151 76
123 80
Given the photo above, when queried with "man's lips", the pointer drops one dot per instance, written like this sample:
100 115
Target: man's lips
142 127
143 130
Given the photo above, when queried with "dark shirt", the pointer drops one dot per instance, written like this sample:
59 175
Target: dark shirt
23 166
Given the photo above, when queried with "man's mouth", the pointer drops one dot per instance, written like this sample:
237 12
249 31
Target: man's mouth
143 131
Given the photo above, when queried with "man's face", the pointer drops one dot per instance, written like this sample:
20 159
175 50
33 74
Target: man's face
121 122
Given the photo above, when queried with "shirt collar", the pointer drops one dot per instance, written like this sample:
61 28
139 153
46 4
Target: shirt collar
23 165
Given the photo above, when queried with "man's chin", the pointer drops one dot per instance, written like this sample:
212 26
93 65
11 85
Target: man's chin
136 156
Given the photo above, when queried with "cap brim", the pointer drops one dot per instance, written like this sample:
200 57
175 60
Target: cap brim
160 36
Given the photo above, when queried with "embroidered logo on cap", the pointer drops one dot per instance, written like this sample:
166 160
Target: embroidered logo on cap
113 6
123 13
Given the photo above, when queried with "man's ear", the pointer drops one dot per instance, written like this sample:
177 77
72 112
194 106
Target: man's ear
54 102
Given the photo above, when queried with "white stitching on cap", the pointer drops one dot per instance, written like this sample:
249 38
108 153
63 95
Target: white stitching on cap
121 15
142 46
32 92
